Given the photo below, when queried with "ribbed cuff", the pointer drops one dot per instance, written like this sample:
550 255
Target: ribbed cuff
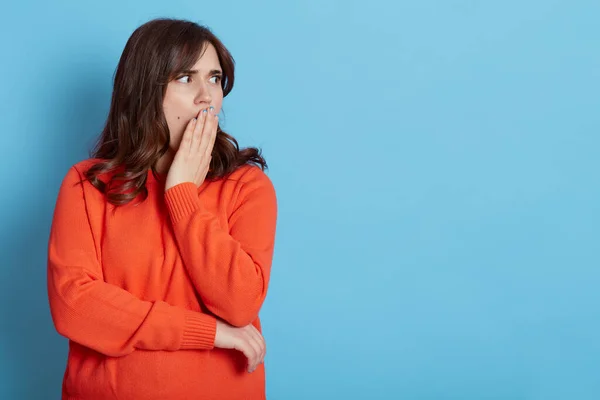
182 200
199 331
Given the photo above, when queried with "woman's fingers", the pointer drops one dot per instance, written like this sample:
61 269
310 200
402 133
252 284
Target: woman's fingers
261 340
213 138
257 343
204 134
208 131
198 129
247 340
251 350
188 134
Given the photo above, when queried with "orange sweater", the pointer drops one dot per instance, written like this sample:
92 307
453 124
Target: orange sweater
136 288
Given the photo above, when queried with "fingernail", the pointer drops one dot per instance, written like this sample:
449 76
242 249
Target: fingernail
203 111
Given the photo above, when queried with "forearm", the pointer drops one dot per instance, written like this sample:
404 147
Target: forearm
113 322
230 270
97 314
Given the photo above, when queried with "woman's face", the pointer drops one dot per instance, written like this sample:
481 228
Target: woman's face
194 90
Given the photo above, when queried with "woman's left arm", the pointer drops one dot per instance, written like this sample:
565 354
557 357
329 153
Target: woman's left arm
230 270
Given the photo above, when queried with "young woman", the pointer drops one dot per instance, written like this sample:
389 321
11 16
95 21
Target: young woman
161 244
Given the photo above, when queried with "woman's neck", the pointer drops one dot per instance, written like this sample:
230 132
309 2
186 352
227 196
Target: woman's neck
164 163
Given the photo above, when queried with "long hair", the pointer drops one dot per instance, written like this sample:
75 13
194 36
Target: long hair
136 133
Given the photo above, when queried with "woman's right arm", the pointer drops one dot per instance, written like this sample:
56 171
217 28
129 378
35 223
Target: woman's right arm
99 315
111 320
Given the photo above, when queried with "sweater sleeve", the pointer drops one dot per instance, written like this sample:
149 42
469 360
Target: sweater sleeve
99 315
230 270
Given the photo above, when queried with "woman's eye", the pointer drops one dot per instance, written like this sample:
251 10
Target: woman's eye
183 77
217 78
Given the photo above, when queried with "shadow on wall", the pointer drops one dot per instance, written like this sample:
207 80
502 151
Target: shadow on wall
33 353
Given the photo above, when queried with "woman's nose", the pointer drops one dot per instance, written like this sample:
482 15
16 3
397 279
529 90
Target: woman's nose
203 95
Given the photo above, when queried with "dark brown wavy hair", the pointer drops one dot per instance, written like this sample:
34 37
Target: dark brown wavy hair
136 134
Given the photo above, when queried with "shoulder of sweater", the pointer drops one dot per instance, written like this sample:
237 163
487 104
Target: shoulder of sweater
84 165
250 177
250 173
72 181
76 175
76 171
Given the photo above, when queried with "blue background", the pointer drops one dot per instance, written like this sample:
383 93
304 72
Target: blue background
436 164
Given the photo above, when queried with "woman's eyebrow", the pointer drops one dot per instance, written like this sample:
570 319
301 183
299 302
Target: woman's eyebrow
195 71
